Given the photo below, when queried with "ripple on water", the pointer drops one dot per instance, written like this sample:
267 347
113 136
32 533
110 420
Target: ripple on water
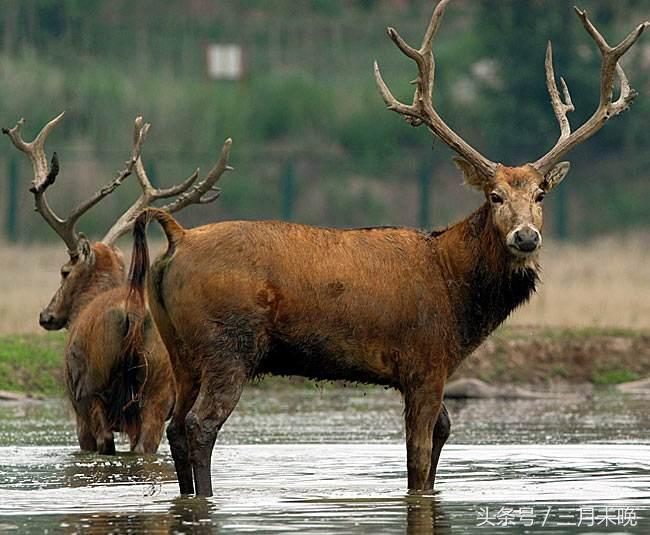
341 473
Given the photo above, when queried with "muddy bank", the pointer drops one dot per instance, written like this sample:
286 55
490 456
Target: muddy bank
545 356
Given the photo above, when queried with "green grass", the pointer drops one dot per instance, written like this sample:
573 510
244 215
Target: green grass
614 376
566 333
32 364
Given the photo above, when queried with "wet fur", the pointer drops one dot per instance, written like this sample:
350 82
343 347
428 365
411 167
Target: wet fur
389 306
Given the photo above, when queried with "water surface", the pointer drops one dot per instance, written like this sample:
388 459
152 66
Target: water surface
324 460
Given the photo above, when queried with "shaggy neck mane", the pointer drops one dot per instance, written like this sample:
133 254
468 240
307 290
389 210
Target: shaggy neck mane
485 281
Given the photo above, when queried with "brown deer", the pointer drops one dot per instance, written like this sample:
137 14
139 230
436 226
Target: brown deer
390 306
116 383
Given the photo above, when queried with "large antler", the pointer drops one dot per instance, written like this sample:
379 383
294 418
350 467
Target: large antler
607 107
44 177
422 111
188 193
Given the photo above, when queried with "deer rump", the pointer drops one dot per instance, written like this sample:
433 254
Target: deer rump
107 370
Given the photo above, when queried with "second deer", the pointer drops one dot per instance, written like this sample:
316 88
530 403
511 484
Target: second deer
115 382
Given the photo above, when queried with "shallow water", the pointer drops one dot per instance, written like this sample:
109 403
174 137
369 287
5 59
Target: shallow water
332 460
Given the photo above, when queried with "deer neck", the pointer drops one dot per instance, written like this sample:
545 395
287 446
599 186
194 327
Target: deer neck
485 282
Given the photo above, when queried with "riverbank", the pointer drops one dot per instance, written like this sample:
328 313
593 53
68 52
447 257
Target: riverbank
543 356
32 364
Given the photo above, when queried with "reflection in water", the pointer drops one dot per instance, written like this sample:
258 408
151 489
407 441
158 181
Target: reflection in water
91 469
336 465
185 515
425 516
192 515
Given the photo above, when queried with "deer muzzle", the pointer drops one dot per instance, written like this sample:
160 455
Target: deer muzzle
524 240
49 322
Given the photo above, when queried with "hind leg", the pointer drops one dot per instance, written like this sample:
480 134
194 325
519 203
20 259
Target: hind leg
85 436
219 394
101 429
177 433
147 438
150 434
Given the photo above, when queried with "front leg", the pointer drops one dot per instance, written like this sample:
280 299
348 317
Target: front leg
441 432
422 405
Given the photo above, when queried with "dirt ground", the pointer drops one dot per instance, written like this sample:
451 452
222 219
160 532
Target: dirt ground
543 356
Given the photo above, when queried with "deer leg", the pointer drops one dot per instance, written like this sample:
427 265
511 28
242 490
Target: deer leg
101 429
148 439
441 432
177 435
152 426
85 436
219 394
422 406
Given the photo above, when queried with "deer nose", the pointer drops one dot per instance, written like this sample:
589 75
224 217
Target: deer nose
45 319
527 239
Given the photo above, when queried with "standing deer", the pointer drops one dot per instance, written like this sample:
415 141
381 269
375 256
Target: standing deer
115 381
389 306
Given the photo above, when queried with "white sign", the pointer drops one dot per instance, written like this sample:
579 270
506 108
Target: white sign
224 62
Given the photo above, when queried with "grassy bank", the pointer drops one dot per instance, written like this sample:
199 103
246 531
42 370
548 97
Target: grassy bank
541 356
33 363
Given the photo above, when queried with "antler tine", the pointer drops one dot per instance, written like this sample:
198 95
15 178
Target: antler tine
190 193
561 108
140 133
196 194
606 107
43 176
179 188
422 111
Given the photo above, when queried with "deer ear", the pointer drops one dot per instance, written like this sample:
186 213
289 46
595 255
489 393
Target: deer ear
472 176
86 249
555 176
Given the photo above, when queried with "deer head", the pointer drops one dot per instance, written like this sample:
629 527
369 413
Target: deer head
515 194
94 267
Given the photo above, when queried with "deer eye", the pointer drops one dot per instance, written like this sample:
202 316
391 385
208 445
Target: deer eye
495 198
540 196
65 272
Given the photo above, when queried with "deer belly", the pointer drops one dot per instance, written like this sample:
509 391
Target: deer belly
322 359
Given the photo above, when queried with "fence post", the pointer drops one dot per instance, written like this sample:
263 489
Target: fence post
12 200
288 191
424 180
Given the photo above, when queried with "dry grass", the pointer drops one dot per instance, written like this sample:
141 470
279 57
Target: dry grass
604 283
29 276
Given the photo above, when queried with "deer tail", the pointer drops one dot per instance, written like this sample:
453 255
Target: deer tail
134 361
